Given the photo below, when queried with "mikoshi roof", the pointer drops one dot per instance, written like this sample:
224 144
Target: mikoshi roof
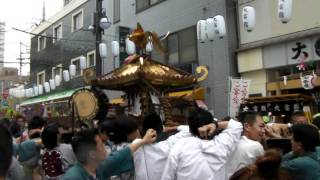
145 69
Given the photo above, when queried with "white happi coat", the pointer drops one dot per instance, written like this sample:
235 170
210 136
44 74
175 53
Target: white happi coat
245 154
196 159
149 160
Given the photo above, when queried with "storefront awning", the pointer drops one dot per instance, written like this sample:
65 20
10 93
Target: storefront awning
195 94
50 97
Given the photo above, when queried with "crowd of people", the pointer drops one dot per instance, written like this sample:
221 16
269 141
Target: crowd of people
121 149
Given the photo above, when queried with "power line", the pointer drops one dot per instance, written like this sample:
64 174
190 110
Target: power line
63 25
12 62
57 23
51 37
6 31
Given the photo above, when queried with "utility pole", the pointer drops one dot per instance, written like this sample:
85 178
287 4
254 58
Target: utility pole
98 32
43 12
20 58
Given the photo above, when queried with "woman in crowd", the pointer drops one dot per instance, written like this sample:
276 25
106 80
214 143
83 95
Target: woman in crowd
56 158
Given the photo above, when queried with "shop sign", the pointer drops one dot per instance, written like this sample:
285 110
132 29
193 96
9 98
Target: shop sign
298 50
307 49
276 108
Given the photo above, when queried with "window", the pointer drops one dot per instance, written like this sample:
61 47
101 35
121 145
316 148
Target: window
116 11
158 56
57 32
188 46
41 76
57 71
76 61
10 83
145 4
77 21
172 47
65 2
12 73
91 58
181 47
41 42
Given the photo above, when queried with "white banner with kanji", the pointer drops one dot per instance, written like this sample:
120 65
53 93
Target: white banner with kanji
238 93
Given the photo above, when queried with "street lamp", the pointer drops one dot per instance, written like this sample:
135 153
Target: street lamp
104 23
101 23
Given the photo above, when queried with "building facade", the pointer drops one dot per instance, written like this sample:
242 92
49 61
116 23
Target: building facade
269 55
2 40
9 78
184 51
60 41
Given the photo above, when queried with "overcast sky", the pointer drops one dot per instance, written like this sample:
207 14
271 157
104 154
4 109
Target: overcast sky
22 14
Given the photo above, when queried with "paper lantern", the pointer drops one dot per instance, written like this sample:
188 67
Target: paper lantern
149 47
115 48
130 47
219 26
35 90
72 70
307 82
57 80
52 84
103 50
83 62
40 89
29 92
22 93
12 92
201 31
66 75
210 34
249 18
285 10
17 92
46 87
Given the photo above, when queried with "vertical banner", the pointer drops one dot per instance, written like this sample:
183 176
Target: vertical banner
239 91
